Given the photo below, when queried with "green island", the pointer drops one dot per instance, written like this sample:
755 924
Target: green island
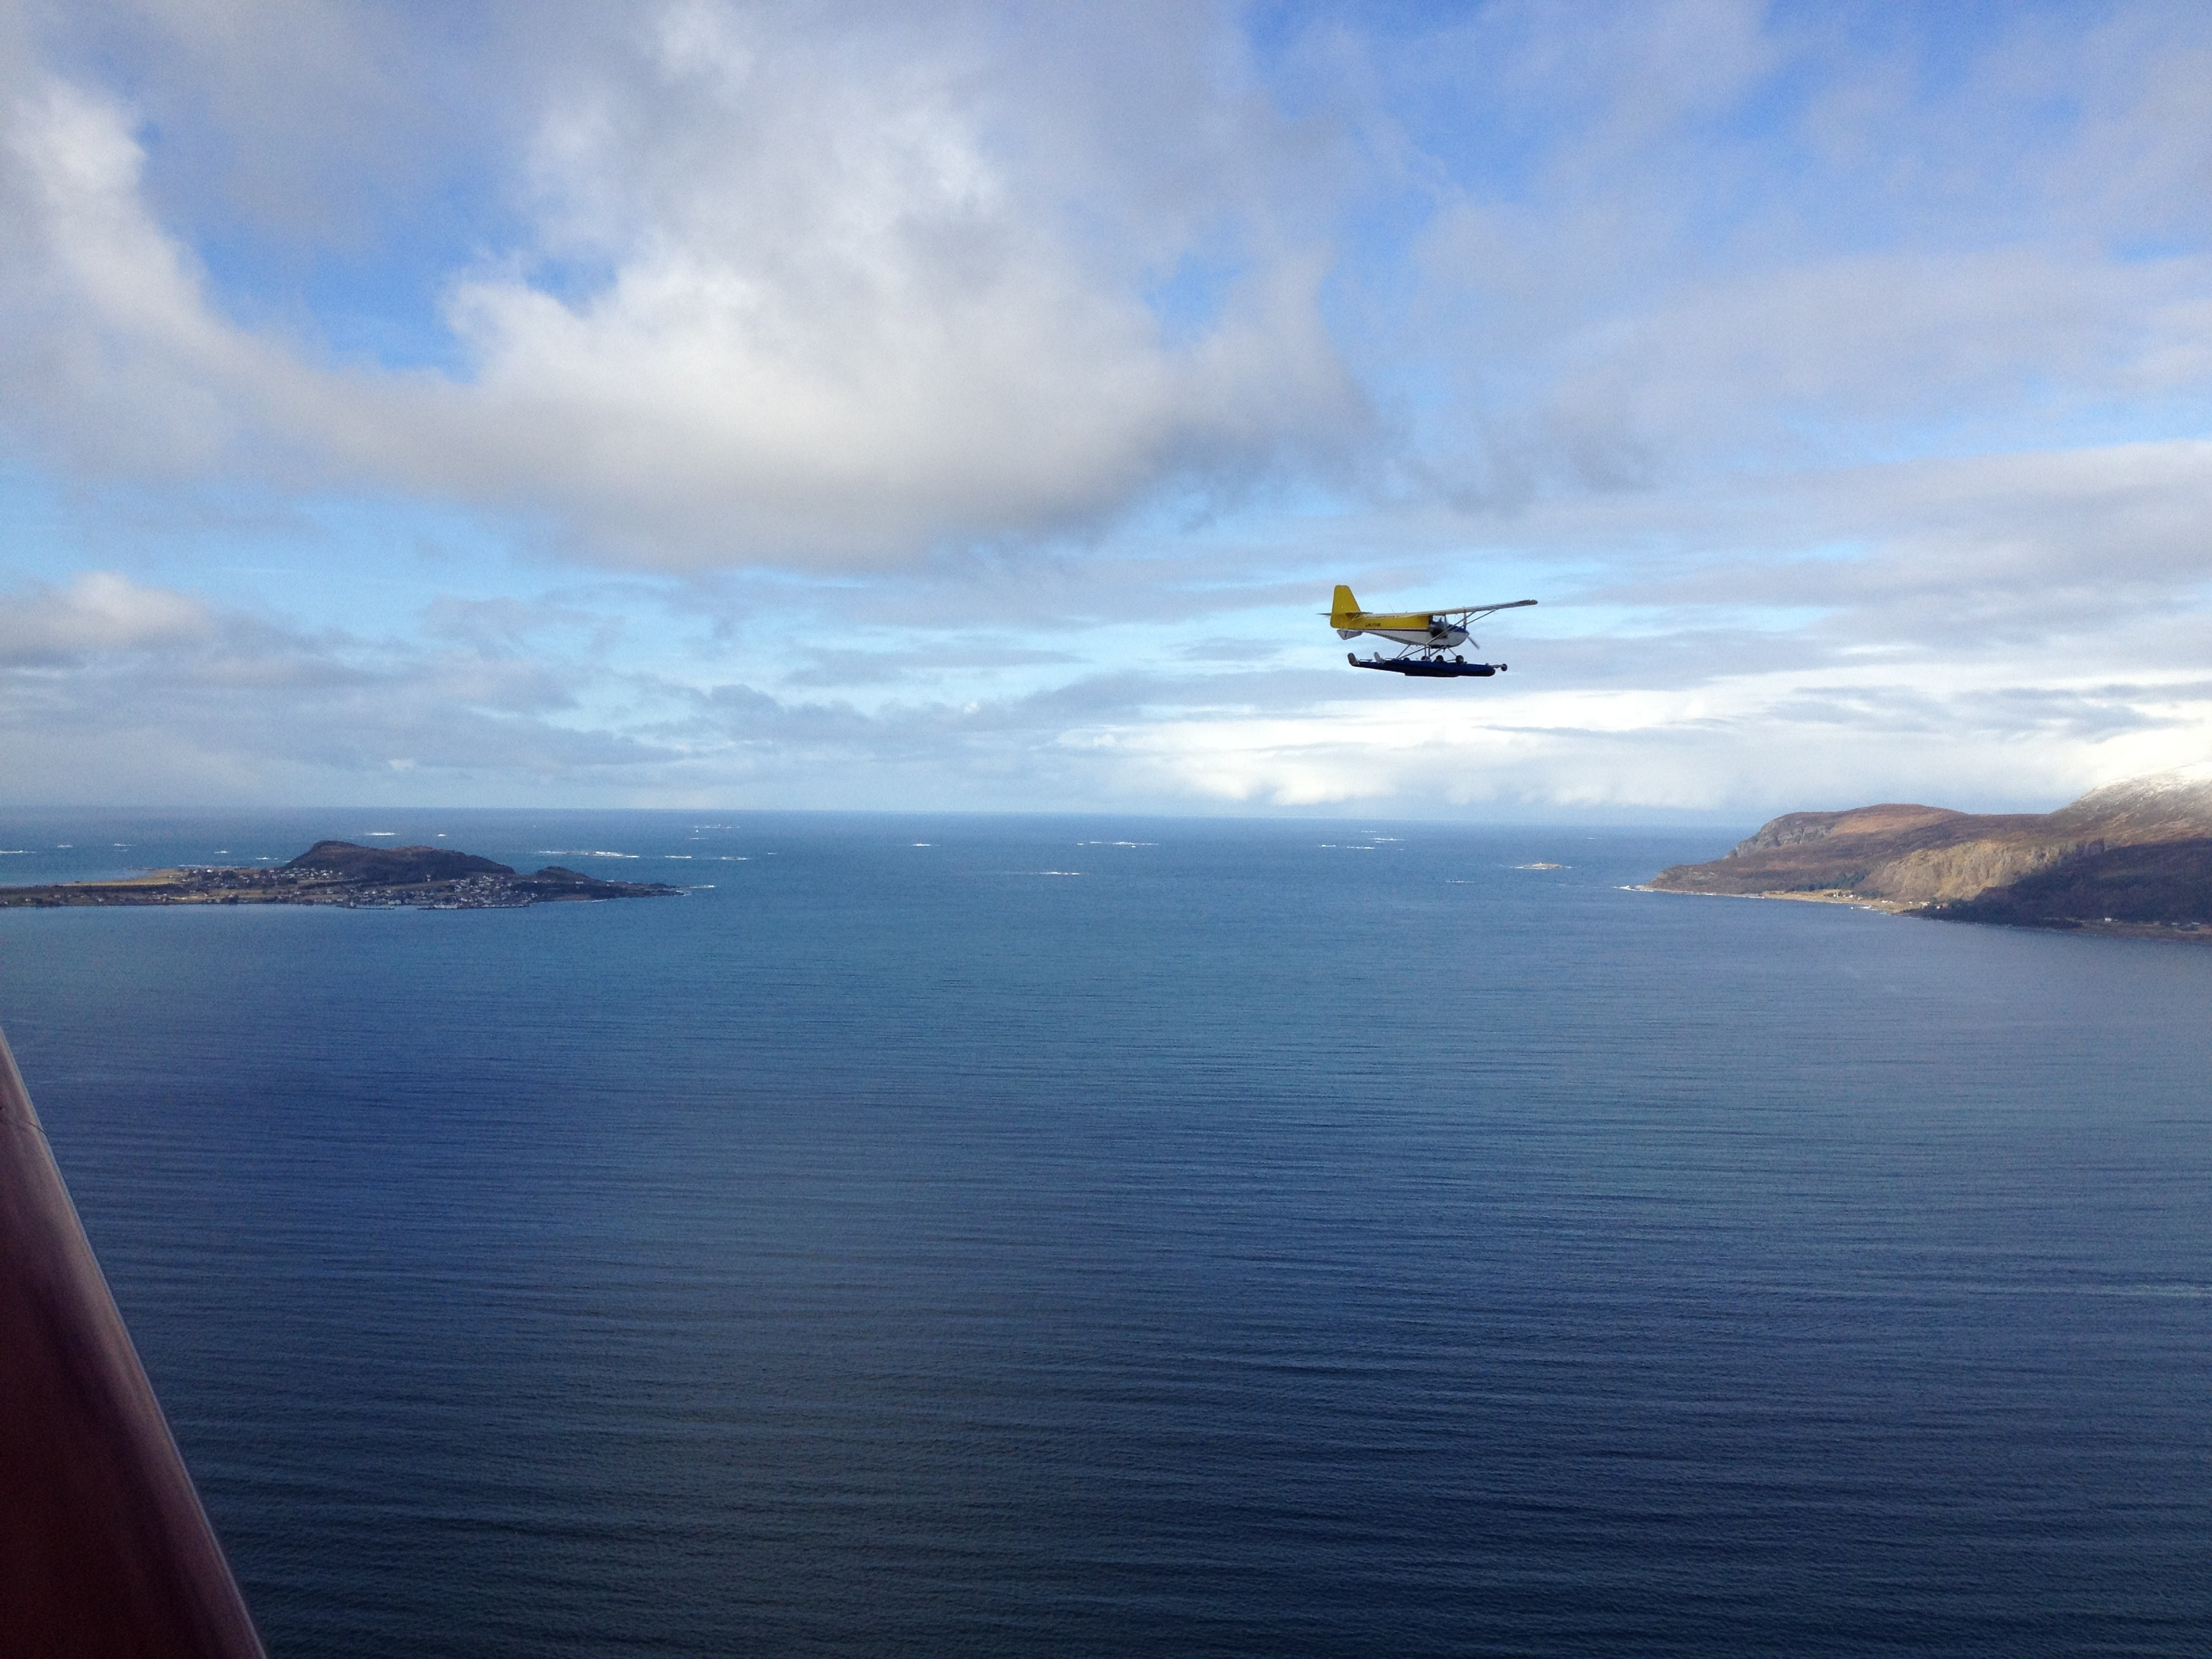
2133 858
338 873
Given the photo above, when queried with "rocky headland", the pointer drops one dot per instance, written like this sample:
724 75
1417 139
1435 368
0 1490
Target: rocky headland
2131 857
338 873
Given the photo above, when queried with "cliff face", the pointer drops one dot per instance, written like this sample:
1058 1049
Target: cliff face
1913 855
1893 851
2161 882
1967 868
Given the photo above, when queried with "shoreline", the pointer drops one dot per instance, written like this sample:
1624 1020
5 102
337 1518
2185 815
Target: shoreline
2176 933
1829 896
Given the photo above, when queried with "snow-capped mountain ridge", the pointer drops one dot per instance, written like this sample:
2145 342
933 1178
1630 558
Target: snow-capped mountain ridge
2179 799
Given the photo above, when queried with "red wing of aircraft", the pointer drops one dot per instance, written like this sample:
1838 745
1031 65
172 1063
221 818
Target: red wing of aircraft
105 1551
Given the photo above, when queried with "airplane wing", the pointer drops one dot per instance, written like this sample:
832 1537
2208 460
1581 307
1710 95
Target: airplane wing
1483 610
105 1550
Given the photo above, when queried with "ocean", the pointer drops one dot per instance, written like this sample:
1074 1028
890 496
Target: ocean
1111 1236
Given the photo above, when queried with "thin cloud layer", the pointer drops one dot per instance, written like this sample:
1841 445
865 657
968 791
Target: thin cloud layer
110 685
98 614
113 691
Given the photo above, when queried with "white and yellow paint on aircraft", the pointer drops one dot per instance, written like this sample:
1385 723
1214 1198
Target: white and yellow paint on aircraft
1426 636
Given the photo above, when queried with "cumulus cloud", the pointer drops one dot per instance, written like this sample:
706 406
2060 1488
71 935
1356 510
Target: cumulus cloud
836 309
843 315
839 287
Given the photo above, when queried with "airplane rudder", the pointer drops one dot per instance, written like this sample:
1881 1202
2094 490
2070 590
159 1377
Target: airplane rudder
1343 605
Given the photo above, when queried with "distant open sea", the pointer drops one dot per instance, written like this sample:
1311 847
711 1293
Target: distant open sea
970 1236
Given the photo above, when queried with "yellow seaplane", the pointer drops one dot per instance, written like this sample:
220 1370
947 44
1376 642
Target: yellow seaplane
1430 639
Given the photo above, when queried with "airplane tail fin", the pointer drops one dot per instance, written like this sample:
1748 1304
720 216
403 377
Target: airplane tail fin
1343 605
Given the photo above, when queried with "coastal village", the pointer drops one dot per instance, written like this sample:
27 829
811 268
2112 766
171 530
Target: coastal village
350 877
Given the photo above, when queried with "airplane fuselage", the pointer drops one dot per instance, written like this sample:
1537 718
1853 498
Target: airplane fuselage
1407 628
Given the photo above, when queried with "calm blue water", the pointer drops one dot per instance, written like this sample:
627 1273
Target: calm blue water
1246 1245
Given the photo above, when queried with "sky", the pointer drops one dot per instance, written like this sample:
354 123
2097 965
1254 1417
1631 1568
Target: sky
972 406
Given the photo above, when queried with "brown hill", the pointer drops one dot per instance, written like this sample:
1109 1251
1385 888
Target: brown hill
392 866
1912 855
